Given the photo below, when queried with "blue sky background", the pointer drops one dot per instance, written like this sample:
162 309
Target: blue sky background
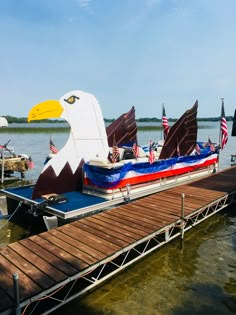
126 52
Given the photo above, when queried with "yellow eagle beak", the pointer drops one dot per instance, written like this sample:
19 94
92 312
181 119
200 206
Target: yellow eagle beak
45 110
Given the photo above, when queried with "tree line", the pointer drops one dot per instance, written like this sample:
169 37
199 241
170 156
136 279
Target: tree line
154 119
12 119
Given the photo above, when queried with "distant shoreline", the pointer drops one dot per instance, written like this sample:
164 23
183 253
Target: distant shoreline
23 120
40 128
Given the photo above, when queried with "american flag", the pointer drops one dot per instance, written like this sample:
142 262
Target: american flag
52 147
30 163
115 152
165 124
151 153
135 150
223 127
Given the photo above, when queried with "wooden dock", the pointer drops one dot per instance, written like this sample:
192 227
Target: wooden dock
63 263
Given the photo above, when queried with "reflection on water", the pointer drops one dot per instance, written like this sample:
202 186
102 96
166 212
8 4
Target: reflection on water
11 232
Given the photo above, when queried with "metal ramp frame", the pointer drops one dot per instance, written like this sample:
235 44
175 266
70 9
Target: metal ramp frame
98 273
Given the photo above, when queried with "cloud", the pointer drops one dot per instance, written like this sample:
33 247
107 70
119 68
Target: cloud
85 5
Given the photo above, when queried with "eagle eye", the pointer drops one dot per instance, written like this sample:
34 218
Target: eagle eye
71 99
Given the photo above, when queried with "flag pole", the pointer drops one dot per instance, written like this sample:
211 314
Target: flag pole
220 136
162 129
220 133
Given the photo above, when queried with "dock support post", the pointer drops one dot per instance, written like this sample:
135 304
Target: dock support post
16 293
127 199
182 218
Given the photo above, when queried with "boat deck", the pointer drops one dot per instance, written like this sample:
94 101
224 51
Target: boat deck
56 266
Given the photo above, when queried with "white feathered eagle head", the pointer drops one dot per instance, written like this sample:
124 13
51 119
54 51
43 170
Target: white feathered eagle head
87 140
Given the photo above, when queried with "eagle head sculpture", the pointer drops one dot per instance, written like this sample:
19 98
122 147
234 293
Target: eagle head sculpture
87 140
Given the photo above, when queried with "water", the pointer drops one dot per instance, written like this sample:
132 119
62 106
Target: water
36 145
198 279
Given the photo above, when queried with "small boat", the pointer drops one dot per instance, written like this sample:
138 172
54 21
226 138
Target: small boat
84 177
109 181
12 164
175 156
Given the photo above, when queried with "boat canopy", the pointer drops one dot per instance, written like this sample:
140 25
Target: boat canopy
3 122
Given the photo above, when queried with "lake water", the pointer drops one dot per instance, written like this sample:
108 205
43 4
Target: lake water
199 278
36 144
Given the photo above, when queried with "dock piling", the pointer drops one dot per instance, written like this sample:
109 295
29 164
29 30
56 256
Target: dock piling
182 221
2 173
16 293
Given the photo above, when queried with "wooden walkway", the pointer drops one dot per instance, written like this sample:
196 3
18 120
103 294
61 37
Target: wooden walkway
49 262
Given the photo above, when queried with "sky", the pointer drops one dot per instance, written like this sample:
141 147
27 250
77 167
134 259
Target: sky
128 52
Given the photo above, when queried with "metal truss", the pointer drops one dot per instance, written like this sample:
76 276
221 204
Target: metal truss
209 210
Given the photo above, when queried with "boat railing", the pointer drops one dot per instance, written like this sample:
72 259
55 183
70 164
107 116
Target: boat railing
10 152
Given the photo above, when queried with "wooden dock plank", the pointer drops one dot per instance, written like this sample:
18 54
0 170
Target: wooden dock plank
119 228
197 190
115 232
156 211
26 285
91 239
6 278
167 207
101 233
128 215
222 184
41 264
175 198
134 232
28 268
141 210
165 204
168 217
124 219
75 248
56 261
191 202
59 251
136 211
